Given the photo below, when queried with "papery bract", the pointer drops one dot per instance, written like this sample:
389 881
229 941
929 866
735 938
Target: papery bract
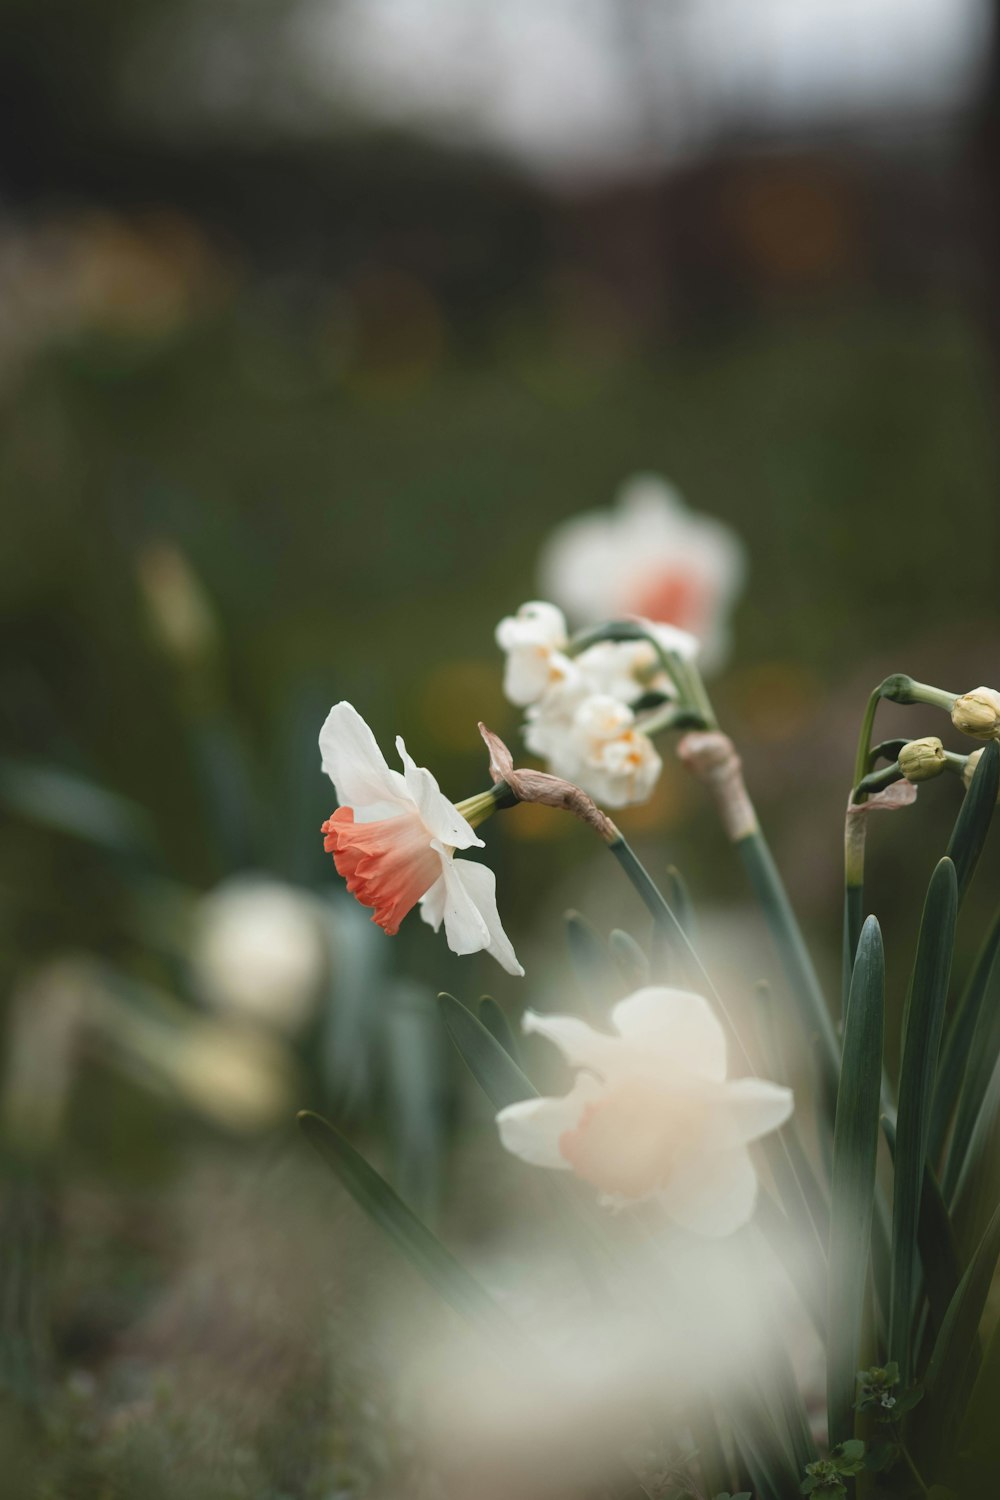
652 1115
394 837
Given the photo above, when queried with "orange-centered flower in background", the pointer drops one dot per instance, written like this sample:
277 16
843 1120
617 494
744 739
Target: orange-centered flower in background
652 1114
650 556
394 837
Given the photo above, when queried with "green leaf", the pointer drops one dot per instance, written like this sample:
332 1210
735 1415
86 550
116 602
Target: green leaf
72 804
496 1072
936 1241
855 1149
980 1061
921 1041
629 957
597 977
499 1028
973 821
956 1358
962 1055
423 1249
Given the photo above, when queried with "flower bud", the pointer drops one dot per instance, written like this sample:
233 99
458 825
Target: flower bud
969 770
978 713
922 759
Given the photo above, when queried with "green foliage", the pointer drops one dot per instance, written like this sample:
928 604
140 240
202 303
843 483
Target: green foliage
827 1475
855 1147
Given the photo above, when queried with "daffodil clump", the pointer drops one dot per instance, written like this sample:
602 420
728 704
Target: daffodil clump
753 1204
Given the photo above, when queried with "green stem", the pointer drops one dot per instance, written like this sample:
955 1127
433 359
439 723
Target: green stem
908 1458
854 897
794 955
865 737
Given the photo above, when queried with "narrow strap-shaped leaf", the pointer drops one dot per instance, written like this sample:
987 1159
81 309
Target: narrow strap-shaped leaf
629 957
423 1249
598 979
855 1150
499 1028
984 1049
796 960
679 898
501 1079
974 818
770 1469
977 1441
956 1358
921 1041
980 1157
962 1053
776 1065
935 1240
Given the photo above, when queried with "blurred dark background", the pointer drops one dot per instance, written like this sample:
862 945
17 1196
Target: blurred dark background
314 319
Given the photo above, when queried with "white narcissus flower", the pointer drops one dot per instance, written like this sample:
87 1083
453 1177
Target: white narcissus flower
594 742
652 1114
394 837
534 640
649 556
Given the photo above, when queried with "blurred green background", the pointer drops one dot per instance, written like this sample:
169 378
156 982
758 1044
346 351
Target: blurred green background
294 384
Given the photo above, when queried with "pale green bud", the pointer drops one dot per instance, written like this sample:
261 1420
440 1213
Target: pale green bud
978 713
922 759
969 770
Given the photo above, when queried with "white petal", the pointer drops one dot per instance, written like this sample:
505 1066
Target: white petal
464 925
536 623
677 1025
354 762
526 674
580 1044
531 1129
713 1193
480 886
440 817
432 902
751 1107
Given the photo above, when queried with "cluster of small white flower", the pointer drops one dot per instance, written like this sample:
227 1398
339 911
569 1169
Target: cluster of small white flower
581 717
649 561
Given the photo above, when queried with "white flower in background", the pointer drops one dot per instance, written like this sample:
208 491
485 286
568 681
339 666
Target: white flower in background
535 640
652 1114
649 556
394 837
594 742
258 951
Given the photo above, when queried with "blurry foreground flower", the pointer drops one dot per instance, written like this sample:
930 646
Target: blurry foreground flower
649 556
651 1114
259 951
394 838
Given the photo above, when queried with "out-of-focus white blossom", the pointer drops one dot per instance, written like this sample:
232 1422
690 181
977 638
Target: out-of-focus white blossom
594 742
649 556
259 951
652 1114
535 641
394 838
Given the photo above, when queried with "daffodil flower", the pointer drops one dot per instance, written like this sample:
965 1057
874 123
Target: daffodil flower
596 744
394 836
535 641
652 1114
649 556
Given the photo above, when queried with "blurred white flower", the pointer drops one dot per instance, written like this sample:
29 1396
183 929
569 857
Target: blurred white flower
394 838
649 556
258 951
593 741
534 640
652 1114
